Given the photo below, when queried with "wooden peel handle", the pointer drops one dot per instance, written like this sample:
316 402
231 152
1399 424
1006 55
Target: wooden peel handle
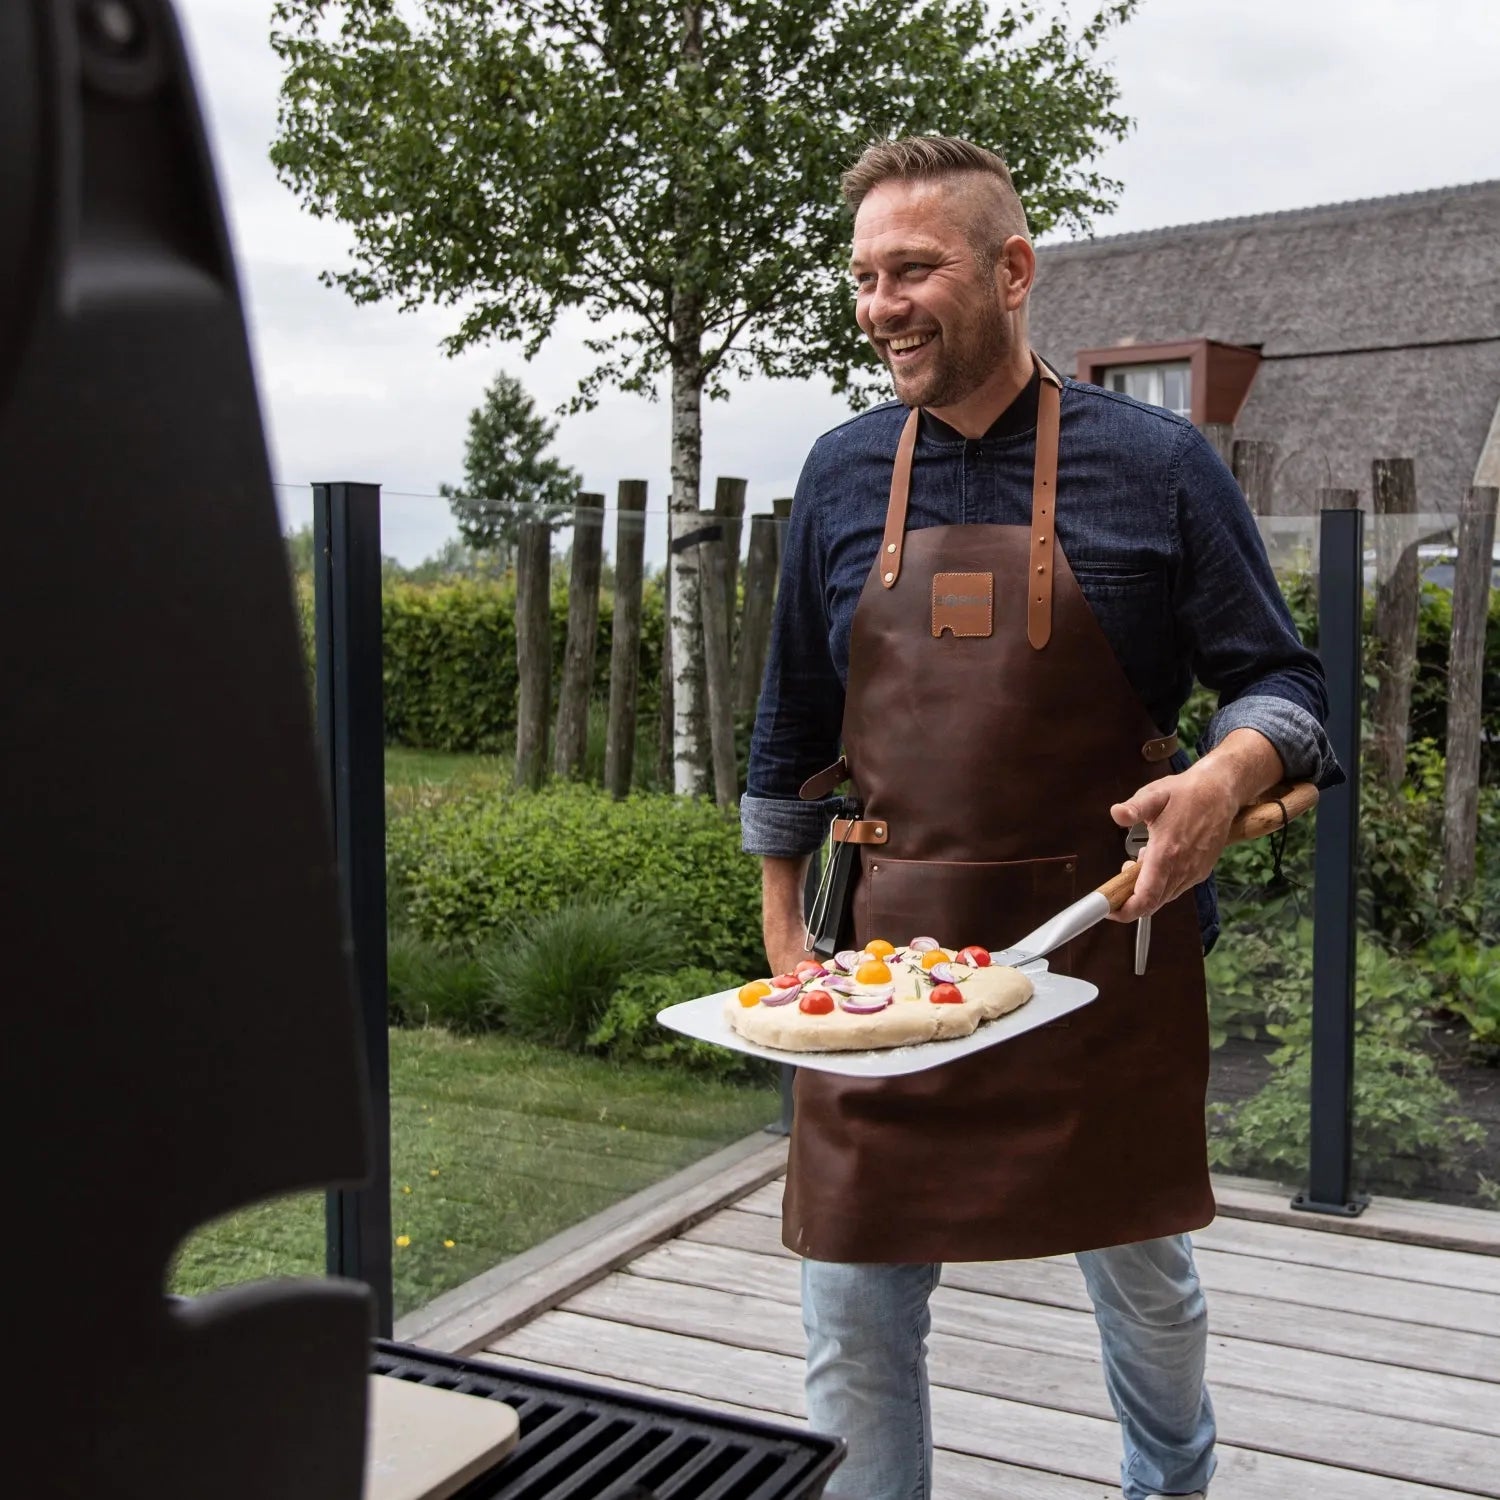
1251 822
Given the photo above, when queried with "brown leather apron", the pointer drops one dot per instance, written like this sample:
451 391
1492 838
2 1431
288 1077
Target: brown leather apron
987 758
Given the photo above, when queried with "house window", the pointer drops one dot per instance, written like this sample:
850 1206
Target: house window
1167 385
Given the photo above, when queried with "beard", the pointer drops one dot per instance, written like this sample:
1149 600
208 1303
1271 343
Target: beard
966 358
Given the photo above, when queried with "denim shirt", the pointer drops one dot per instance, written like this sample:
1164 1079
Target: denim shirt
1163 546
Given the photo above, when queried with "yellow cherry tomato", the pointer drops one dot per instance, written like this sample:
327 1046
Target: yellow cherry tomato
879 948
935 956
754 992
872 971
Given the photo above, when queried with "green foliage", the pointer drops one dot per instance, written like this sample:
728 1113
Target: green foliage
429 984
630 1031
671 170
508 477
462 866
450 663
552 976
1406 1128
1466 976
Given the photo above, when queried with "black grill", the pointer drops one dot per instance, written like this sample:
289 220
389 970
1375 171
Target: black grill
579 1443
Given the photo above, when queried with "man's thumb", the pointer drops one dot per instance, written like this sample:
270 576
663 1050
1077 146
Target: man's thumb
1144 807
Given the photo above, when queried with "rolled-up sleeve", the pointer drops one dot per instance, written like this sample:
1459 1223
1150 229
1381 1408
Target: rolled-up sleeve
1238 632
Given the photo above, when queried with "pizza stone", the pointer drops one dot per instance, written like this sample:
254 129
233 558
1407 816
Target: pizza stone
910 1018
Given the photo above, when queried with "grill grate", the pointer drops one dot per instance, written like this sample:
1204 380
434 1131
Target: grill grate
579 1443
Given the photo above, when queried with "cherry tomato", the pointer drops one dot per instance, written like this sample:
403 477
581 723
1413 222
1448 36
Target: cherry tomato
785 982
808 968
946 994
979 958
816 1002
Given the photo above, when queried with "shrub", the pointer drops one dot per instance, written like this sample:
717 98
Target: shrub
1467 979
1405 1125
552 977
450 662
430 985
463 865
629 1030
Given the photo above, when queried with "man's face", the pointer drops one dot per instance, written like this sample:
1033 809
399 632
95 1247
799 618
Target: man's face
929 311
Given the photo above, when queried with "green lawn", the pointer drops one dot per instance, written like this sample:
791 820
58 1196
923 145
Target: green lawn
495 1146
407 768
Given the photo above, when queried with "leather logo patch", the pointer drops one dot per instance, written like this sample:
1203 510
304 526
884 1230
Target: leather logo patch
963 603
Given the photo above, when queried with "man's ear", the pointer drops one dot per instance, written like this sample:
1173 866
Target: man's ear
1015 271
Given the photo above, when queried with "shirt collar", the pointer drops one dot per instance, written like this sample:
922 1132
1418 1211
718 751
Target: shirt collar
1018 417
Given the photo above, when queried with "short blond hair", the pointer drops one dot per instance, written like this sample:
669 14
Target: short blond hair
933 158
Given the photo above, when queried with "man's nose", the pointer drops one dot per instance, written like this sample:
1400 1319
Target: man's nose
888 303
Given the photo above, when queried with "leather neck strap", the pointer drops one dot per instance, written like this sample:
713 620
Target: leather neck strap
1043 507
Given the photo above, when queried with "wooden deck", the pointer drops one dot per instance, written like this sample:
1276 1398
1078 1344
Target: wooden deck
1345 1365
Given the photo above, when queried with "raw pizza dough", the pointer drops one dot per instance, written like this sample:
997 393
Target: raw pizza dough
910 1017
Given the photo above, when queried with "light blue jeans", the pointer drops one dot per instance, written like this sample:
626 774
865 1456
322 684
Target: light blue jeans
867 1328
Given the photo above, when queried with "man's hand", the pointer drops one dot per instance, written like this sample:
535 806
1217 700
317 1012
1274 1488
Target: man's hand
782 882
1188 817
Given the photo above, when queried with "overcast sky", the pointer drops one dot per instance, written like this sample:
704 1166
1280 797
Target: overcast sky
1241 107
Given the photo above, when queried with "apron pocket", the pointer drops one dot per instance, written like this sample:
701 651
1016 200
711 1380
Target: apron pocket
961 902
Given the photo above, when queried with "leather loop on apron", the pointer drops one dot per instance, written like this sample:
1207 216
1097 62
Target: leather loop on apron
990 765
1043 506
889 562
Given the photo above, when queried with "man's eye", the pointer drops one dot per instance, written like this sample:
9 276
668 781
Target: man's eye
914 267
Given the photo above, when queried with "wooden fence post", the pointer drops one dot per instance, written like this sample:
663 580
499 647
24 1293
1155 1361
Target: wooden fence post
625 638
729 506
782 511
755 617
572 741
1397 593
1471 599
1254 465
716 672
1221 438
533 650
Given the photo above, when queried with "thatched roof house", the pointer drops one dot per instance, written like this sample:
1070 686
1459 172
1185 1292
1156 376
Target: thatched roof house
1341 334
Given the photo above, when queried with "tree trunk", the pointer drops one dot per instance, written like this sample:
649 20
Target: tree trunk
717 676
1254 465
533 650
1471 602
572 743
689 709
755 617
1397 592
625 638
729 507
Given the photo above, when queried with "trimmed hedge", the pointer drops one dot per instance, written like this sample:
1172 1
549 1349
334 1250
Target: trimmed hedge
450 662
461 867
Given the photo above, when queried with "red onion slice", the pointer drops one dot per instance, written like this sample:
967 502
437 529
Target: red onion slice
948 973
846 959
864 1005
782 997
839 984
923 944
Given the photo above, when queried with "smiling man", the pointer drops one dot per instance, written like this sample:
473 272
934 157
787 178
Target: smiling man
996 756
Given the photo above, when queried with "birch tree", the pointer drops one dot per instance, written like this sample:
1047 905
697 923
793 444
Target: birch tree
670 168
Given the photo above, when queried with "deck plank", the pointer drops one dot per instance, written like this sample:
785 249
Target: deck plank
1475 1356
1294 1424
1257 1276
1378 1389
956 1476
1031 1437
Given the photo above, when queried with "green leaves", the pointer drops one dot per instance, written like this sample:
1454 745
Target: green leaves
515 158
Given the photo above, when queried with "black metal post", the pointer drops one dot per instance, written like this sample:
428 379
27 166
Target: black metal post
351 730
1340 626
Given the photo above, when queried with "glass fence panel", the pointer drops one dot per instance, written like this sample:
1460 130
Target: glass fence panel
1427 977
